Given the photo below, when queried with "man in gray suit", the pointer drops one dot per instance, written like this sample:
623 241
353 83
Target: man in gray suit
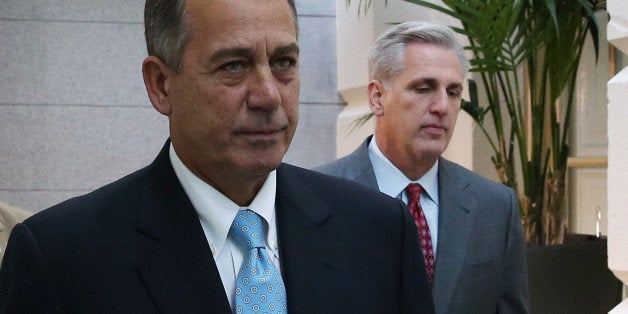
472 240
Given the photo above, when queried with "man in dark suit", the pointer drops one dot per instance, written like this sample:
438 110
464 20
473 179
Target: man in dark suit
470 229
217 224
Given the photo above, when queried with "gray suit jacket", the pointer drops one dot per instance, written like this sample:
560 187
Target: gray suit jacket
480 263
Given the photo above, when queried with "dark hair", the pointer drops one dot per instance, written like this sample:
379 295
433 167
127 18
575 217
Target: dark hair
166 31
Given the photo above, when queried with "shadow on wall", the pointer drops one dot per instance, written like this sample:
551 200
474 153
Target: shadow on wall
572 278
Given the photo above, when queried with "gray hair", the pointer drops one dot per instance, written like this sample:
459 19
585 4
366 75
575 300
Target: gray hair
166 31
385 59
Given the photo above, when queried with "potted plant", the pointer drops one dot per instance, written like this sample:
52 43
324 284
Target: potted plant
526 54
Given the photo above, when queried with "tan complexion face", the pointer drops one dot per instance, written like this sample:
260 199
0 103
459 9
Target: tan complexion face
233 109
417 110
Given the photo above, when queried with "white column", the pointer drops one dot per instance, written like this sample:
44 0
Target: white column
618 151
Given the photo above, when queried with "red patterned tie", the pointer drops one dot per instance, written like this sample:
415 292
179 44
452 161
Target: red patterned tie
414 196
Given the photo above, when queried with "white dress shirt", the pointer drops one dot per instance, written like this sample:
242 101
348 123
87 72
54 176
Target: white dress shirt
216 213
393 182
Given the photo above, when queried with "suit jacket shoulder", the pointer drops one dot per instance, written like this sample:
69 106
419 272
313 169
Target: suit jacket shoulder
450 170
355 167
452 176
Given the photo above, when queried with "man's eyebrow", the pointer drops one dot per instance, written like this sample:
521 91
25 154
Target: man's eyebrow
287 49
457 86
433 82
225 53
248 53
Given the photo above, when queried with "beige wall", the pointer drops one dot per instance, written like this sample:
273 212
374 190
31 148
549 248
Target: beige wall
73 110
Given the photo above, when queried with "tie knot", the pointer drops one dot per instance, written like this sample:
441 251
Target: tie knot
414 192
247 229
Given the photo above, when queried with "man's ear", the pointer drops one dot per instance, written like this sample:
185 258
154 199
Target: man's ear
156 79
375 92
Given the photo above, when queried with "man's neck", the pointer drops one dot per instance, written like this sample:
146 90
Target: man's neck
413 168
239 188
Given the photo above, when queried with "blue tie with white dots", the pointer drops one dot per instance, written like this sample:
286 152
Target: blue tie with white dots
259 287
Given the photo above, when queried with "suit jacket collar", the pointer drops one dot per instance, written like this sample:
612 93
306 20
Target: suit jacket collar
179 271
455 220
360 167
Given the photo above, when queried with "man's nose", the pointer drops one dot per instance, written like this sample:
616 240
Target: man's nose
264 90
441 102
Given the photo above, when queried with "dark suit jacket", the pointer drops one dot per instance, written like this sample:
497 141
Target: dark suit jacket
137 246
480 262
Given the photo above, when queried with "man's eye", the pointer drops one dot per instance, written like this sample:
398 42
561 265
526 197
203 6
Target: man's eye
454 93
234 67
284 63
423 89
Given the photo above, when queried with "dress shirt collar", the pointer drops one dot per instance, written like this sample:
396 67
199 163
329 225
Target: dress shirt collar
216 211
393 182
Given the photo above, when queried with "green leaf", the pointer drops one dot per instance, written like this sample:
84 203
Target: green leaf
472 107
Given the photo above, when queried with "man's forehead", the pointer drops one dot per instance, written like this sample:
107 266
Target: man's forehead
246 11
240 23
430 63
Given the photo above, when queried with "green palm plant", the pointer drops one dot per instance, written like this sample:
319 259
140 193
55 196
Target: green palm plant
526 54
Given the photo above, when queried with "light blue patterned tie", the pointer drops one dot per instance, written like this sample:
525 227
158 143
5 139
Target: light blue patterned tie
259 287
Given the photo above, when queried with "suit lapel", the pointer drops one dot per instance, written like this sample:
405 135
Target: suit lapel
456 212
311 256
360 166
179 272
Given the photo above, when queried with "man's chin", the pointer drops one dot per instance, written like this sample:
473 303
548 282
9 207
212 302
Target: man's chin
259 158
430 150
262 165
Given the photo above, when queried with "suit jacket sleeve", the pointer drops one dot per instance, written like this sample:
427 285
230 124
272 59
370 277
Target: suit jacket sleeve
514 286
25 285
